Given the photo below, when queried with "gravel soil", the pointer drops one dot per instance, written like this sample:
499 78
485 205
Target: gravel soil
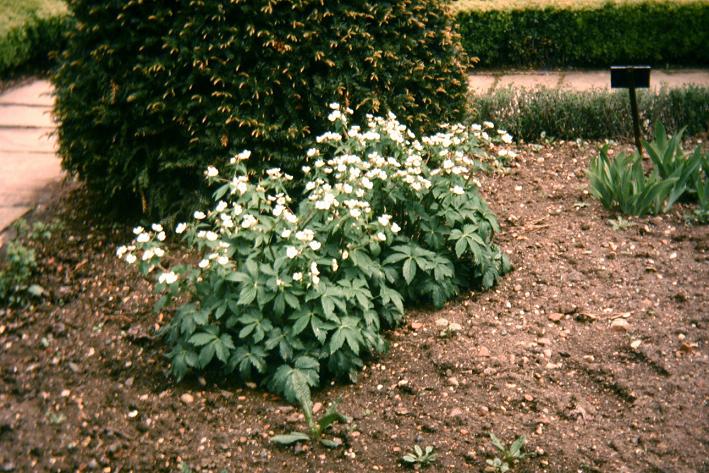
594 348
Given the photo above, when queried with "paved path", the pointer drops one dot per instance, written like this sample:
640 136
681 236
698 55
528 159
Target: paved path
488 81
28 161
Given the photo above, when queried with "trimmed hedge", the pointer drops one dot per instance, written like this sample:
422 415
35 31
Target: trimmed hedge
652 33
526 114
150 93
32 46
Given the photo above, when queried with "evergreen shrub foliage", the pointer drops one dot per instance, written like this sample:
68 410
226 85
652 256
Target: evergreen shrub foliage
287 288
32 46
150 93
656 33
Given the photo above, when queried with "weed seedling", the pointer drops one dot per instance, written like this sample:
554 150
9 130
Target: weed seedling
507 457
419 456
316 428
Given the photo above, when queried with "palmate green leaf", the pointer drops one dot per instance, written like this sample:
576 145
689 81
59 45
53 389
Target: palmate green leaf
348 331
248 358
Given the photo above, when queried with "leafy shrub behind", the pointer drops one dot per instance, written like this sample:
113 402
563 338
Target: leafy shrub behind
596 114
150 93
32 46
656 33
287 288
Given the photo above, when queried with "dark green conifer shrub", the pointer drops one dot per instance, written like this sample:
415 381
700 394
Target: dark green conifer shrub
150 93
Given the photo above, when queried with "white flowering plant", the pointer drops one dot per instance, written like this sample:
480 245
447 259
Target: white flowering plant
285 289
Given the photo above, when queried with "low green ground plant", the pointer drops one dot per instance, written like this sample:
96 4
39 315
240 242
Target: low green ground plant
623 184
530 114
420 457
289 290
507 457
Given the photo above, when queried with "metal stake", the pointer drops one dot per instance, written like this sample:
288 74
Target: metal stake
636 119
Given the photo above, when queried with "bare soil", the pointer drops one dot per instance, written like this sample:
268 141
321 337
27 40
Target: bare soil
594 348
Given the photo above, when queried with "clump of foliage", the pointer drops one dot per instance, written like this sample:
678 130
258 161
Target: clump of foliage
597 114
622 183
420 457
19 264
30 32
150 93
288 288
613 33
507 457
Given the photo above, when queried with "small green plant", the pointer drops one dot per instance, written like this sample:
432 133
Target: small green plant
420 456
621 184
15 276
316 428
507 457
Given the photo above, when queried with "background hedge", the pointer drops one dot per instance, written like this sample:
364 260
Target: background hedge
150 93
526 114
31 31
655 33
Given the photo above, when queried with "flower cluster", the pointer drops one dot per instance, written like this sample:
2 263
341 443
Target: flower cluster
384 219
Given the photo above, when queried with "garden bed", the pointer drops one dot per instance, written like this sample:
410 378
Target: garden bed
84 383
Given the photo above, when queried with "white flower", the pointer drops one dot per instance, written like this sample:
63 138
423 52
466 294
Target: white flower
168 278
130 258
334 115
159 252
156 227
314 268
221 206
297 276
204 263
211 236
457 190
315 245
381 236
199 215
143 238
286 233
334 106
278 210
291 252
312 152
222 260
238 209
488 125
290 217
211 171
305 235
138 230
384 219
121 250
475 127
248 221
334 264
148 254
181 227
507 138
355 213
345 255
161 236
395 228
243 156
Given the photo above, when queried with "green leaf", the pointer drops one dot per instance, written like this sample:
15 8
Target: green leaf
291 438
202 338
409 271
